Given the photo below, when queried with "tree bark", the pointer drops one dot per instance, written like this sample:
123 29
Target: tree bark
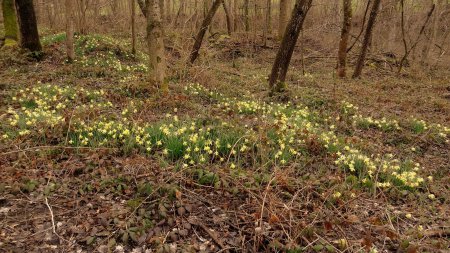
161 9
246 15
70 19
235 15
157 63
283 18
367 38
143 6
345 33
408 51
201 33
433 32
133 27
29 36
228 17
280 66
10 22
267 20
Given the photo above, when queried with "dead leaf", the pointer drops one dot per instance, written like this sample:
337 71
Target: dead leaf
274 219
178 194
328 225
353 218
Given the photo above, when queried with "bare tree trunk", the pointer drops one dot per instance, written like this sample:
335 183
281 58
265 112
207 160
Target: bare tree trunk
180 10
283 18
201 33
246 15
29 36
143 6
408 51
433 33
228 17
82 9
280 66
70 19
157 64
267 21
10 22
161 9
346 26
235 15
133 27
168 13
362 26
367 38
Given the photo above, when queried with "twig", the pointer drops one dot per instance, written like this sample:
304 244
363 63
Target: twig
53 222
211 233
52 216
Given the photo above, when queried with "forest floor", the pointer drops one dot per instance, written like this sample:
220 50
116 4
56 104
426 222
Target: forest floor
92 159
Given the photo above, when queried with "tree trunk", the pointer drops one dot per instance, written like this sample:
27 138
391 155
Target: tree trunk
157 64
367 38
70 19
29 36
235 15
228 17
168 13
345 33
284 54
267 21
143 6
133 27
10 22
201 33
246 15
161 9
283 19
433 32
82 16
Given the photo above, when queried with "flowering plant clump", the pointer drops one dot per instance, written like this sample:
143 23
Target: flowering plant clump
291 127
437 132
368 122
285 132
382 171
103 52
42 108
348 109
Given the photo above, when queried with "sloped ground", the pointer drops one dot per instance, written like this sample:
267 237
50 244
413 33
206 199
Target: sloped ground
92 159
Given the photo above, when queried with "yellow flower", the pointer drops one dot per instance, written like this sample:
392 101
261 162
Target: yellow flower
337 195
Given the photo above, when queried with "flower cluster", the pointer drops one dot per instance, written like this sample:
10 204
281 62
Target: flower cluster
348 109
368 122
284 133
41 107
383 171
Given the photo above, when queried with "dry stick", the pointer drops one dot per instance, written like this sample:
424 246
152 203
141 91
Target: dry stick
211 233
52 216
422 30
53 221
262 211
